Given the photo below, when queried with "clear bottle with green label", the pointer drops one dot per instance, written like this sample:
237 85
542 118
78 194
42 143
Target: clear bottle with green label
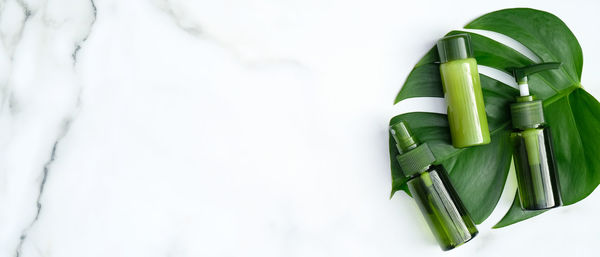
429 185
462 91
532 146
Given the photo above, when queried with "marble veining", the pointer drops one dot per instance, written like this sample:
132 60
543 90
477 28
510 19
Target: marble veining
28 13
224 128
12 41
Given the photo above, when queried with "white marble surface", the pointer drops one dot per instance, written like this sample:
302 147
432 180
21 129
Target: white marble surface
233 128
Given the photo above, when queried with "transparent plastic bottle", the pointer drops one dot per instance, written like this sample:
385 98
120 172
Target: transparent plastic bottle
430 187
533 154
536 168
462 91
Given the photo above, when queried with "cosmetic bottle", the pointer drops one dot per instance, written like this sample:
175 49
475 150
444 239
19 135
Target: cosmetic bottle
532 146
430 186
462 91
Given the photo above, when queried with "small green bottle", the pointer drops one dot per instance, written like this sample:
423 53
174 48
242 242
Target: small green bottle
462 91
532 143
429 185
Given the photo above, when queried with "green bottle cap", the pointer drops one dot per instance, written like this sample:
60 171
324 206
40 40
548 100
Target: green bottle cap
455 47
413 158
527 113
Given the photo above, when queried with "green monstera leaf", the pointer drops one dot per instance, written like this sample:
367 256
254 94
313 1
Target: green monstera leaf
479 173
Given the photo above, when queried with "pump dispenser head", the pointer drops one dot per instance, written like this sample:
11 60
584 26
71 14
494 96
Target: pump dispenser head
528 112
521 74
414 157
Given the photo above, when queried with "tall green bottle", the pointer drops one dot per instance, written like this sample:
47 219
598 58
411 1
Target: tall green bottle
532 143
462 91
429 185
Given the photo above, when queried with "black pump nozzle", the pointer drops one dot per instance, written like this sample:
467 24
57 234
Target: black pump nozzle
521 74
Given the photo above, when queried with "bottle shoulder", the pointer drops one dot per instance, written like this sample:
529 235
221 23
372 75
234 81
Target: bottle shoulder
469 60
428 170
537 127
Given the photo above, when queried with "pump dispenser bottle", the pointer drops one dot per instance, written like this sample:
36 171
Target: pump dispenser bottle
532 142
462 90
429 185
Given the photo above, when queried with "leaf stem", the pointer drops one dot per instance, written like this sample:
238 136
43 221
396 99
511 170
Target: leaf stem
560 95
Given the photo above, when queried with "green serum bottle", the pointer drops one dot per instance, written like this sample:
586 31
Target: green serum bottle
532 143
430 186
462 91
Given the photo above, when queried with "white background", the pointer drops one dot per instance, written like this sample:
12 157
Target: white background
235 128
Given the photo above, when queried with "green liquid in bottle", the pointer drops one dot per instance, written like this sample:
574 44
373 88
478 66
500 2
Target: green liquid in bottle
445 214
466 110
536 169
448 219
